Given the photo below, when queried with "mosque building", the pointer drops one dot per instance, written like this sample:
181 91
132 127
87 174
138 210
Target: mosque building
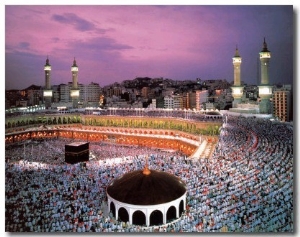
147 197
263 105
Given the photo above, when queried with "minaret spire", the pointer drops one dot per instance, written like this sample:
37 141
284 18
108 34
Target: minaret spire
47 61
265 47
236 52
74 63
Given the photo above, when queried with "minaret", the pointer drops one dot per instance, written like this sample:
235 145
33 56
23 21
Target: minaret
74 89
237 89
47 89
265 90
264 56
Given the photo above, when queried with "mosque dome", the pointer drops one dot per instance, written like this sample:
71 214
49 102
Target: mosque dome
146 187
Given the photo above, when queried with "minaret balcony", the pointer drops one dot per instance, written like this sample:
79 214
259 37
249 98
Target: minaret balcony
47 93
265 90
74 93
237 91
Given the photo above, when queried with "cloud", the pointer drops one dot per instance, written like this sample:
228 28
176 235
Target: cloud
103 47
112 43
55 39
108 44
72 19
24 45
22 68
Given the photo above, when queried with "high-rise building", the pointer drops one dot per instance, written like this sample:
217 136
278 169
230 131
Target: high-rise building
112 91
152 105
282 103
34 94
168 102
145 91
178 102
56 93
90 94
201 97
64 93
265 89
191 100
185 101
47 90
237 89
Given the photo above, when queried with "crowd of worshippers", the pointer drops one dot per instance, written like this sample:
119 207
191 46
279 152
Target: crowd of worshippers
183 114
247 186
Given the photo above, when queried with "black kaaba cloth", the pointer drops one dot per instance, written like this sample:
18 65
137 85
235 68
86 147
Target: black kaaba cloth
76 152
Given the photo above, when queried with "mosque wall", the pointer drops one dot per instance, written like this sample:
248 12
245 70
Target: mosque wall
159 132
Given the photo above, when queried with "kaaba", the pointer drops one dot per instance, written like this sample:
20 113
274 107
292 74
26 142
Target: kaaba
76 152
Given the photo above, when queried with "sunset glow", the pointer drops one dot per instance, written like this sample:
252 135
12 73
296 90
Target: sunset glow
116 43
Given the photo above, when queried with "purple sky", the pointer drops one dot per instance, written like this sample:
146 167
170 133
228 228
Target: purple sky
116 43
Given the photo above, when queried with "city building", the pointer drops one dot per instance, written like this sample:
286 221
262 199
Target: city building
90 94
152 105
185 102
145 91
282 103
178 102
64 92
55 93
168 91
168 102
201 98
191 100
209 106
115 90
174 102
33 94
11 96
